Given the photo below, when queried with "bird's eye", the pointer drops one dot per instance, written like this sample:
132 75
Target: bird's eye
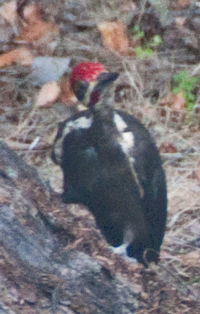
80 89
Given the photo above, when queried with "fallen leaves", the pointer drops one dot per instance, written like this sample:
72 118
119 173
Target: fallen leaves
31 29
48 94
32 13
16 144
172 107
39 32
35 29
20 56
167 147
67 96
51 91
174 101
46 72
114 36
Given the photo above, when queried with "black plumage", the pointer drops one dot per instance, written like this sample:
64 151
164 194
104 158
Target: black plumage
111 165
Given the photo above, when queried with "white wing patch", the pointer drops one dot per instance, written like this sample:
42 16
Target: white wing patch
119 122
127 142
126 139
80 123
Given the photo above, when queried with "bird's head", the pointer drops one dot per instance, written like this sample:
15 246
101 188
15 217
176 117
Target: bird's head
91 83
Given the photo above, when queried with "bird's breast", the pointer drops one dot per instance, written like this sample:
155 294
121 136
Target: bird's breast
70 129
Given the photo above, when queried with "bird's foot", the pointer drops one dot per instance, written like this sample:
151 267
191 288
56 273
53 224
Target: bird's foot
121 250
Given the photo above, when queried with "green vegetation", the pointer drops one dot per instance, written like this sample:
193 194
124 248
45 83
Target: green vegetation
142 53
185 84
146 49
136 33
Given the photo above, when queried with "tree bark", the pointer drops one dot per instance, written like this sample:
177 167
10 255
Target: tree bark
37 273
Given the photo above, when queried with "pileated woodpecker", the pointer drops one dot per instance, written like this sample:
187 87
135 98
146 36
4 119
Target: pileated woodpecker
111 165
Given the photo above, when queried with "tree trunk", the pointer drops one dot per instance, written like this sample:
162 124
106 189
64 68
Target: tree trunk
37 273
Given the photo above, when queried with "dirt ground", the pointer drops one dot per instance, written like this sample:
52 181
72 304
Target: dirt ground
142 89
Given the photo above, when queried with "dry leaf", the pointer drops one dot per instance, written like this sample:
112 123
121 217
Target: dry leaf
8 58
37 144
48 94
9 11
32 12
114 36
37 30
174 101
167 148
20 56
24 57
40 30
67 96
178 102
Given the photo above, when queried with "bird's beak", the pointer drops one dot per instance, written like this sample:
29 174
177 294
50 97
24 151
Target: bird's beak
102 84
105 78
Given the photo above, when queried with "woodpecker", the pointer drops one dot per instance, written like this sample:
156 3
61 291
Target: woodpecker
111 165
